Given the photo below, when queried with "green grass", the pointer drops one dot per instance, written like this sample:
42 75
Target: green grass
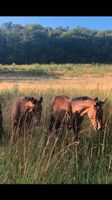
91 162
56 71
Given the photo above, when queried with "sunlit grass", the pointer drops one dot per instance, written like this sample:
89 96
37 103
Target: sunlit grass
91 162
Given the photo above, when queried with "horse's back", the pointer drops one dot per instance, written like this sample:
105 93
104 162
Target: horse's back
60 110
61 103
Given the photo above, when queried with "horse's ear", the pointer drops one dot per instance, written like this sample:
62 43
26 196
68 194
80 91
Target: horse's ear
40 100
104 101
96 99
100 102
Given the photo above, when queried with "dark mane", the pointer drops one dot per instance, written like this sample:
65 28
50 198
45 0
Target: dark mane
83 98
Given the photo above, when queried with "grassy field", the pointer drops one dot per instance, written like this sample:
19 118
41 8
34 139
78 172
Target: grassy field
56 71
91 162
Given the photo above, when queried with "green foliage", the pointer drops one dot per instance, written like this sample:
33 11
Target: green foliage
36 44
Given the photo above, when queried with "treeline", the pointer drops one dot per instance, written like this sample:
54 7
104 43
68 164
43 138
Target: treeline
36 44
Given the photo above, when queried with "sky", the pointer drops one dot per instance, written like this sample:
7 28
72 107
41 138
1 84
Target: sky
92 22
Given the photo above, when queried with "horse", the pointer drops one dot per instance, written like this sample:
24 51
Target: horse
60 119
24 111
60 112
85 105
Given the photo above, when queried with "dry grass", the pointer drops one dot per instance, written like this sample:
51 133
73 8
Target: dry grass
45 84
91 162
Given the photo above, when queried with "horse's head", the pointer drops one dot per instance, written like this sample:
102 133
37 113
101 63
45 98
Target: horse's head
95 113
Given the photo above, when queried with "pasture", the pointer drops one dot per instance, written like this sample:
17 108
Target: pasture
90 162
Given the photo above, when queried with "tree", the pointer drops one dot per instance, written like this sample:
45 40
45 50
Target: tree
35 44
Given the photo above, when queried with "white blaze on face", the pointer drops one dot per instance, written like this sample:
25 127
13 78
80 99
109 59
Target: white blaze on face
29 105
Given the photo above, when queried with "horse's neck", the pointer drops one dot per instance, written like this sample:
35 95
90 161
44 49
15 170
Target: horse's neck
83 111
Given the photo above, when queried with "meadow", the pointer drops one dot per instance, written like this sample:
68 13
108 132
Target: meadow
91 161
56 70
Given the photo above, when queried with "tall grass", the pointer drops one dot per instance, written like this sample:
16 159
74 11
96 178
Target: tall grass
90 162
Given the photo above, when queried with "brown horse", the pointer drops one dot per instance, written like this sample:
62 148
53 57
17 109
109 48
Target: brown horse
71 113
60 112
24 111
60 121
86 105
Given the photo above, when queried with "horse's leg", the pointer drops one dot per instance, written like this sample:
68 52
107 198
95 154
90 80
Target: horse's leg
76 122
64 141
14 132
49 136
56 136
50 127
26 134
79 122
51 123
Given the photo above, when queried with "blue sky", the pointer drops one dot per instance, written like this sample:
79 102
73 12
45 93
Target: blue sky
99 23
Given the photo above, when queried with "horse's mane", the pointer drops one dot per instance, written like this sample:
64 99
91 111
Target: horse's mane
83 98
32 99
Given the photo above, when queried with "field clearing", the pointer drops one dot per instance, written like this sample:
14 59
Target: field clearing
91 162
56 70
61 83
